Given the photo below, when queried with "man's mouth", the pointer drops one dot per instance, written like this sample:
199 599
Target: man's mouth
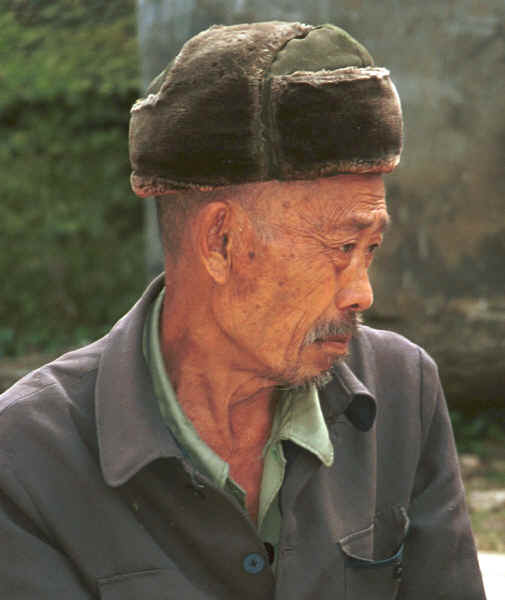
337 331
335 339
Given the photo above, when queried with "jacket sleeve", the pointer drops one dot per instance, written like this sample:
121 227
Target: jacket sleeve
440 559
30 567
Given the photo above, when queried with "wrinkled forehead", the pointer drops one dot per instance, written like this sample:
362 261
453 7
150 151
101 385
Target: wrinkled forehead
343 202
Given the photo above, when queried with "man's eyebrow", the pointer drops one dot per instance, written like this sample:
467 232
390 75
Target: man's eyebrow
363 220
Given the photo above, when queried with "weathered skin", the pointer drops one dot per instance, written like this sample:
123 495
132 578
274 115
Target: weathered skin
241 300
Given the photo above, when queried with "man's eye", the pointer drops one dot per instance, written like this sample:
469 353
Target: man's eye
373 248
347 248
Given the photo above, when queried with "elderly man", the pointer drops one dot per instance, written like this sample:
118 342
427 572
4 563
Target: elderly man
238 433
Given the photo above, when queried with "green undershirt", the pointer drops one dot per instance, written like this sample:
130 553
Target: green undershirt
297 417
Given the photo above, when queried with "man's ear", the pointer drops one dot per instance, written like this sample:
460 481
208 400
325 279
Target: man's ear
214 240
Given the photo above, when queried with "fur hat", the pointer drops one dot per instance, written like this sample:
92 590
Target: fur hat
263 101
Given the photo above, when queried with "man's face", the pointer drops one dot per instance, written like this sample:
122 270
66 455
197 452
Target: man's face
299 282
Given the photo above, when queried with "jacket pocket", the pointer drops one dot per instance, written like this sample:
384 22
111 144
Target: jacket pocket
156 584
373 557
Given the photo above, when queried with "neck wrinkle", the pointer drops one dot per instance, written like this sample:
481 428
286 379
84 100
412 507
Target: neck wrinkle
231 408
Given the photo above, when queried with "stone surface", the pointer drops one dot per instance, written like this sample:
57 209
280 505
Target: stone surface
440 278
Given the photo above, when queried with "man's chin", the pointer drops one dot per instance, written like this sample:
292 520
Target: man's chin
322 379
298 380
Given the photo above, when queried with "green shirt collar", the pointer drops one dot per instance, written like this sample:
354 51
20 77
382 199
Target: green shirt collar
301 421
201 455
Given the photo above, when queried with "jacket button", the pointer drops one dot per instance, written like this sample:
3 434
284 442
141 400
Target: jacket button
253 563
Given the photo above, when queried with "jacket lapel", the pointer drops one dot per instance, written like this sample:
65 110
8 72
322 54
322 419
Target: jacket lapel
350 483
354 483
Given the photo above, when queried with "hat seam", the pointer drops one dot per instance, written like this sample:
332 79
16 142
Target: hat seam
269 132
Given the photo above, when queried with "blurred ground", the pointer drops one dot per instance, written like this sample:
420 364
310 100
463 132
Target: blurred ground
484 477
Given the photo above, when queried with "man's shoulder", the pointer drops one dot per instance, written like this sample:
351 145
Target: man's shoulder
51 397
48 435
390 364
389 345
67 378
386 340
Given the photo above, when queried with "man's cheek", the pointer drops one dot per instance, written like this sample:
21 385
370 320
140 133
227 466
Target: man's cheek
245 285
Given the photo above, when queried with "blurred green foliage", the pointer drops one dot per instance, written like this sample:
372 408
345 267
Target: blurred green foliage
474 433
71 251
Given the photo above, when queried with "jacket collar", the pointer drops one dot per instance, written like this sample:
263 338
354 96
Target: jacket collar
347 395
131 432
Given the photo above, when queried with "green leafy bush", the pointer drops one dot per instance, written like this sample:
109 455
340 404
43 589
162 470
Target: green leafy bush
71 251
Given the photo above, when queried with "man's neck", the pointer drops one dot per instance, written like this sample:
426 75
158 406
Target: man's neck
231 408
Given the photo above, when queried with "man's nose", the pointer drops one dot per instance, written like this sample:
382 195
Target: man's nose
356 292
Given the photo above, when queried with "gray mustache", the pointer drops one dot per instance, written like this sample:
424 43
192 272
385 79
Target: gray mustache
345 326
